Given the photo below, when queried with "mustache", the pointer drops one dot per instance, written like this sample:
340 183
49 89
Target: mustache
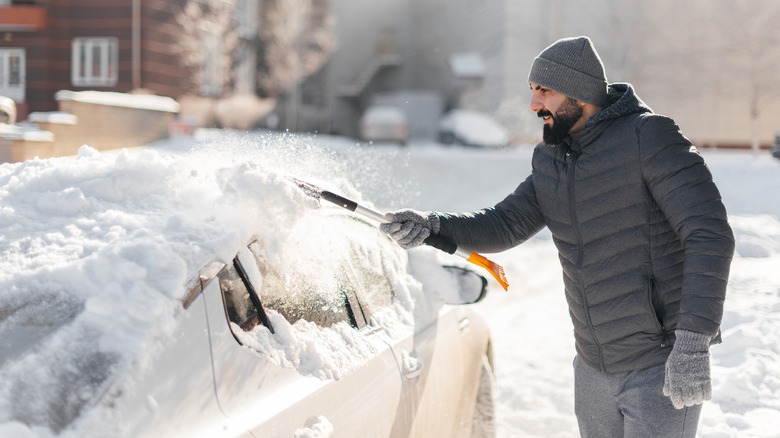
544 113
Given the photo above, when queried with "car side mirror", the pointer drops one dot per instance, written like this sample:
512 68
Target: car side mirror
472 287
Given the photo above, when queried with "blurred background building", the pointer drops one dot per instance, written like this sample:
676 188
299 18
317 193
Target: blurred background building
317 65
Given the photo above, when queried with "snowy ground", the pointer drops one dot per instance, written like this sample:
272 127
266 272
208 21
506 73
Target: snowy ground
530 323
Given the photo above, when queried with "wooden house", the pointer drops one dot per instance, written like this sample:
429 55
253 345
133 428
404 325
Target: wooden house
173 48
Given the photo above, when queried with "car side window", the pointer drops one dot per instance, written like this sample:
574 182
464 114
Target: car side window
370 284
295 297
239 305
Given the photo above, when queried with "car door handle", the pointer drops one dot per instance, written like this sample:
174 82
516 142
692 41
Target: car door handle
411 365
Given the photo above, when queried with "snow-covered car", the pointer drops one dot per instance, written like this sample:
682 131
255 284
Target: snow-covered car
384 123
472 128
148 295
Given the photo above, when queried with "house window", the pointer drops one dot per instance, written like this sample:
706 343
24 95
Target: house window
12 71
94 62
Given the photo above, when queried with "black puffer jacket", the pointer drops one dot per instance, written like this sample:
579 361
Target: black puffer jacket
640 228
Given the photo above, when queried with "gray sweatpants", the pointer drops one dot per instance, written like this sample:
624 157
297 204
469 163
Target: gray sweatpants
630 405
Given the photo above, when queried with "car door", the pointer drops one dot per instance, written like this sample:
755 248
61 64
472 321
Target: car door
441 363
173 393
443 395
273 396
433 372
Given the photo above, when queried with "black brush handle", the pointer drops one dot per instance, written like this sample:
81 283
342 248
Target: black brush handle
442 243
339 200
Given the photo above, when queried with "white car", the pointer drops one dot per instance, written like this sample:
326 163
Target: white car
423 383
384 123
329 330
472 128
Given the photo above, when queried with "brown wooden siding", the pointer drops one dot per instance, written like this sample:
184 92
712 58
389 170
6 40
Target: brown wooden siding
162 68
48 52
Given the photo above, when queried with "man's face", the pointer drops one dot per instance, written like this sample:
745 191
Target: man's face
558 112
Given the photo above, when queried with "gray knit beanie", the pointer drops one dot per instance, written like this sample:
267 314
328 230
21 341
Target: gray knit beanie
571 66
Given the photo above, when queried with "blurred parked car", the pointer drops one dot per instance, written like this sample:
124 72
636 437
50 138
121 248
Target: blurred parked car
472 128
776 146
251 349
384 123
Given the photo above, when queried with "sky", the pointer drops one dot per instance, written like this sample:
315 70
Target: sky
86 238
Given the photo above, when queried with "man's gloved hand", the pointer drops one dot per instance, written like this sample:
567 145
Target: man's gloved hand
410 227
687 381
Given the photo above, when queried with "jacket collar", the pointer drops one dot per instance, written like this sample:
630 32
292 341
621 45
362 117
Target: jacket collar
621 101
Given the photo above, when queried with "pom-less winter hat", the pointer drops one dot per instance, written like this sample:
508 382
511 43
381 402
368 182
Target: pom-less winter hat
571 66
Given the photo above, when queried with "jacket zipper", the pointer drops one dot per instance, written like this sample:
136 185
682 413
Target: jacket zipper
580 246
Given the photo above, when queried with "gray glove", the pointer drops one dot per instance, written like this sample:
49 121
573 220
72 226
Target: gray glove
410 227
687 381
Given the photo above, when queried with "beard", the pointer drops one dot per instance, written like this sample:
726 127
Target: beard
564 118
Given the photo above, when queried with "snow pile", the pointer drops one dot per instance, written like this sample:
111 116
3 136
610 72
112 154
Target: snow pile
95 250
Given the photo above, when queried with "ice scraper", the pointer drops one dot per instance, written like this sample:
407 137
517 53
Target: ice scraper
433 240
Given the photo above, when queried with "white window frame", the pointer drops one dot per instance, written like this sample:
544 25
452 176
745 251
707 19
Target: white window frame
15 90
86 71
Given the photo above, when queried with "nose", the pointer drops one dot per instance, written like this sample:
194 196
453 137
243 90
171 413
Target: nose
535 105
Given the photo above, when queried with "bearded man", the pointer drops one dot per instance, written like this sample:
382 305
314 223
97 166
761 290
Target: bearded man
643 241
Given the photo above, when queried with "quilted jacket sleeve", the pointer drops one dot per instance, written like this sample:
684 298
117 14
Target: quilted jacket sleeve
509 223
682 186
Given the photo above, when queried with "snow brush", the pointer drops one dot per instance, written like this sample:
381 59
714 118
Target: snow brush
434 240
